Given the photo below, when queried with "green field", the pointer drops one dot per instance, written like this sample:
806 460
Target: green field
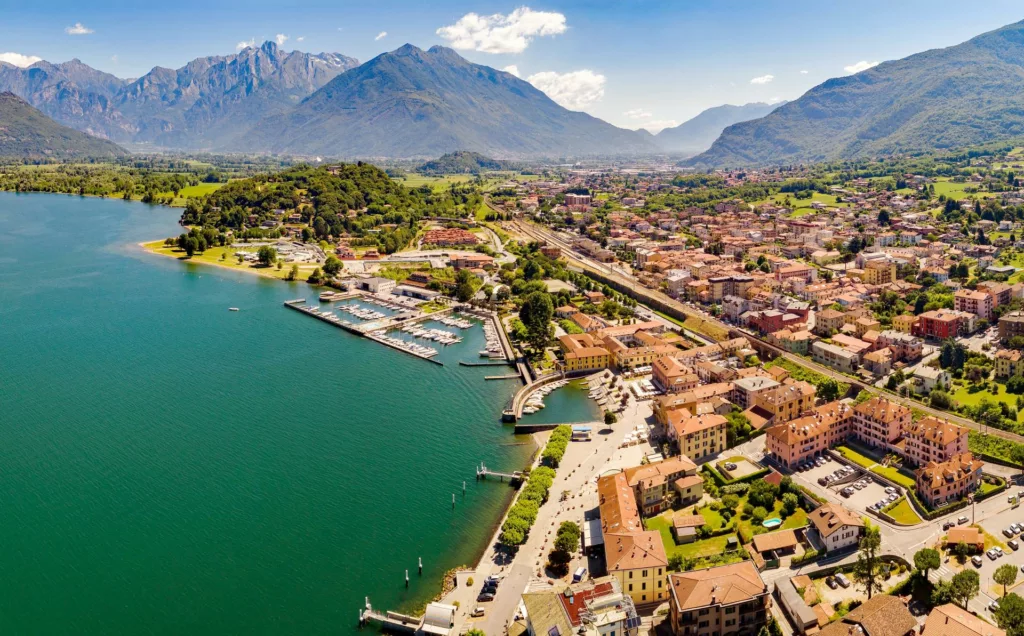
802 207
958 190
212 256
438 184
965 396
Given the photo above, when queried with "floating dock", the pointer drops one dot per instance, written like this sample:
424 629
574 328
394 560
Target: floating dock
298 305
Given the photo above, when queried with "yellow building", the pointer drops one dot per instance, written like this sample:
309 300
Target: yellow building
789 401
582 353
879 272
904 322
634 556
1009 363
698 436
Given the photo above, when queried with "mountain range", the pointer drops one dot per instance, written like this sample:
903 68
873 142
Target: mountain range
198 106
939 99
412 102
697 134
26 133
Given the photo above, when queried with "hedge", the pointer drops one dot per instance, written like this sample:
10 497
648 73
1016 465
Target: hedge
721 481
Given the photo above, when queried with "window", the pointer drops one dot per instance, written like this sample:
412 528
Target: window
644 574
643 586
730 610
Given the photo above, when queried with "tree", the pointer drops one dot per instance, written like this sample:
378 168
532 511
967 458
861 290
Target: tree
763 494
475 632
927 559
1017 455
828 389
789 503
536 314
964 586
609 418
293 273
868 569
961 550
464 285
316 278
266 255
883 217
758 515
332 265
1010 615
1005 575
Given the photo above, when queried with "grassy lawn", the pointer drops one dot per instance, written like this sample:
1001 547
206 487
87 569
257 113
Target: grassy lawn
968 397
700 548
991 541
986 488
903 512
700 326
438 184
212 256
796 520
712 518
895 475
855 457
800 373
802 207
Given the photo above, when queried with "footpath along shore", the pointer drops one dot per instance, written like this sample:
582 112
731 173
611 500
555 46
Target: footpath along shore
582 464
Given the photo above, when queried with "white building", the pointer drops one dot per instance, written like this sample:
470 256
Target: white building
837 527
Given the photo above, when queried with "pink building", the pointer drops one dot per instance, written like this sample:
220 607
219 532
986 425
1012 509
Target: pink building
933 440
811 435
878 422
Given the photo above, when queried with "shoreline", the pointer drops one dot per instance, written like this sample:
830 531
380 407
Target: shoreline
157 248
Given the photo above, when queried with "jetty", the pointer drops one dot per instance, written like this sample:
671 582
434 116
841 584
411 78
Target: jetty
437 620
489 363
510 376
360 330
483 472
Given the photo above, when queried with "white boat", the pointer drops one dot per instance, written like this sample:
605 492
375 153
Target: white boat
232 308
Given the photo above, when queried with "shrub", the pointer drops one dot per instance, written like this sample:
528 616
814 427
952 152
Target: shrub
736 489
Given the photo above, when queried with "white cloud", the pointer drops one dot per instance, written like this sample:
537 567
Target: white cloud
381 36
637 113
300 38
280 38
499 33
764 79
512 69
19 60
574 90
774 100
244 45
113 58
804 72
78 29
862 65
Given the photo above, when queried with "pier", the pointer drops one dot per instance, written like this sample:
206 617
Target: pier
437 620
483 472
510 376
359 330
491 363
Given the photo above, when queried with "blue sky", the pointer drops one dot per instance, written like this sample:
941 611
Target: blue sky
633 63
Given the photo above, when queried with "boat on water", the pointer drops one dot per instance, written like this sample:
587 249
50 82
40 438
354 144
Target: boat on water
232 308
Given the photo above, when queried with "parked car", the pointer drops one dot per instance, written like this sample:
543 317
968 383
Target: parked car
730 466
1008 532
483 598
890 490
478 612
831 581
948 525
993 606
976 560
842 580
961 520
1013 544
823 481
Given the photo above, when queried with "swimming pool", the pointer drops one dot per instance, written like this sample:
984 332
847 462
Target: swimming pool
772 523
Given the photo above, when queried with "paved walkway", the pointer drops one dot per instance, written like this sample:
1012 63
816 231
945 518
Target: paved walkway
578 473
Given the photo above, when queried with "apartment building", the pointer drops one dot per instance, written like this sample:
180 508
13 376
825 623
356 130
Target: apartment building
788 401
634 556
746 390
943 323
1011 324
878 423
879 272
933 440
828 321
719 601
1008 363
939 483
904 322
582 352
672 376
904 346
835 357
975 302
792 442
596 607
698 436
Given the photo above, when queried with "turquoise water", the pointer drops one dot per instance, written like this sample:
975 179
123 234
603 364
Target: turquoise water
171 467
774 522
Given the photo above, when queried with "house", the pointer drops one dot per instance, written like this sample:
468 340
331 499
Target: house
951 619
904 322
878 363
941 482
787 401
1011 324
471 260
378 285
792 341
926 379
655 484
975 302
594 607
968 535
583 353
837 527
882 615
746 390
803 438
671 376
697 435
684 526
728 599
1008 363
904 346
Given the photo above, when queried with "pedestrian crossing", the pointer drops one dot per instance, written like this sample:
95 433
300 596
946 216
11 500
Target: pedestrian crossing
944 572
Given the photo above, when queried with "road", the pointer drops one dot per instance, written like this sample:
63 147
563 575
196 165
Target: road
642 293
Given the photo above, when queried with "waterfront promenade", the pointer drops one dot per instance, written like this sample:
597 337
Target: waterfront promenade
581 465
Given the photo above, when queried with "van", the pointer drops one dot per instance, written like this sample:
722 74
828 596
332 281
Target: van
579 574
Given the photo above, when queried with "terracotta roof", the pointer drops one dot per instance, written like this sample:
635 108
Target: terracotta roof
775 540
687 521
722 585
935 430
808 426
881 410
663 469
694 424
970 536
617 505
883 615
634 551
934 474
950 620
831 517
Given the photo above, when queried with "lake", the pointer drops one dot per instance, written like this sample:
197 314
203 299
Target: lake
172 467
